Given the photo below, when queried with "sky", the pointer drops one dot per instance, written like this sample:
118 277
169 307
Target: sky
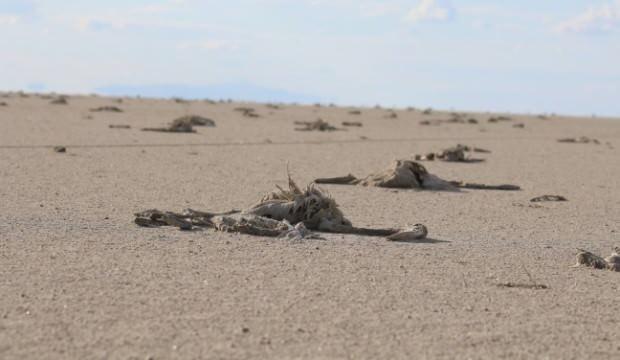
559 56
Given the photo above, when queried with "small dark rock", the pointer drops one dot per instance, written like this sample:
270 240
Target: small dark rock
549 198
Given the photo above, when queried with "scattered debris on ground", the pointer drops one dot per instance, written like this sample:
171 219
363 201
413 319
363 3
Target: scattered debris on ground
2 103
496 119
427 111
460 118
532 206
247 111
579 140
352 123
180 125
355 112
60 149
119 126
458 153
532 284
523 286
107 109
455 118
435 122
60 101
549 198
196 120
272 106
184 124
391 115
519 126
407 174
586 258
292 213
318 125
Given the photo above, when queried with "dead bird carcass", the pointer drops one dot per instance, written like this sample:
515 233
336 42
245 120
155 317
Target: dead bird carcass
184 124
287 212
196 120
406 174
317 125
458 153
588 259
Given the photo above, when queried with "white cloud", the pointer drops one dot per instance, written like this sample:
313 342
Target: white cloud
208 45
598 19
95 24
431 10
8 19
375 9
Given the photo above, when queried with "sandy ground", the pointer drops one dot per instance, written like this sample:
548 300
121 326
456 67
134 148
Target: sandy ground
80 280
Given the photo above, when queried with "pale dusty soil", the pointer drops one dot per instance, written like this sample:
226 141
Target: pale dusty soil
80 280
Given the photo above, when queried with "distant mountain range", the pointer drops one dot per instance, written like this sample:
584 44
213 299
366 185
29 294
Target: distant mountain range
238 92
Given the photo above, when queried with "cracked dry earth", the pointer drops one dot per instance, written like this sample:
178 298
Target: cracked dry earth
80 280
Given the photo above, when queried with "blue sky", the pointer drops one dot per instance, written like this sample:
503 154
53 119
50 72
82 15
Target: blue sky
523 56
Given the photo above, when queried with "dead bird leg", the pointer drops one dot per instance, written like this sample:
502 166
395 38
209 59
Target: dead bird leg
474 186
415 232
341 180
195 213
348 229
156 218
